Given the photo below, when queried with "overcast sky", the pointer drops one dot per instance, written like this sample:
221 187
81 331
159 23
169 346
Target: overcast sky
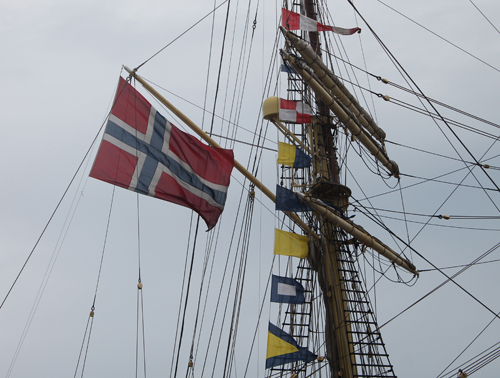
61 62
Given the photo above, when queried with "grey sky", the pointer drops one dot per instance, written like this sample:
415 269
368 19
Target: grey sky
61 62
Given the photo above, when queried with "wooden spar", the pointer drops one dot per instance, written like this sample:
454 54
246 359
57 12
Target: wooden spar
211 142
347 226
333 83
359 234
345 117
292 138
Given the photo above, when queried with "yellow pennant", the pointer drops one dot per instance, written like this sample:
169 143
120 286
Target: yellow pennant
290 244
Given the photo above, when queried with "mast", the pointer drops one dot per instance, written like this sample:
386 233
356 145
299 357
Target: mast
351 342
354 347
327 187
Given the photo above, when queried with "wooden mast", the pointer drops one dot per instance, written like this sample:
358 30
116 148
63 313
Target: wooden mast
353 343
327 187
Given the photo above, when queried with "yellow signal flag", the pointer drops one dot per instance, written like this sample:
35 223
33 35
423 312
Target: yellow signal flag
286 154
292 156
290 244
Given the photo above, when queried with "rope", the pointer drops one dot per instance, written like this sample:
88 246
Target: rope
475 6
220 65
55 253
467 347
52 215
445 282
87 347
458 266
182 293
208 67
81 348
210 113
140 326
180 35
96 287
437 35
48 272
186 299
238 295
432 106
433 265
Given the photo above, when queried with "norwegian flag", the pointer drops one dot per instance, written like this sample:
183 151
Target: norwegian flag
143 152
295 21
295 111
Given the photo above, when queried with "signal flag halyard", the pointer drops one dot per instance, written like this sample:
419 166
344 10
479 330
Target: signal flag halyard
143 152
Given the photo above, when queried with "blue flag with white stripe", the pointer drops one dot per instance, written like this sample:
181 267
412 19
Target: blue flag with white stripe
286 290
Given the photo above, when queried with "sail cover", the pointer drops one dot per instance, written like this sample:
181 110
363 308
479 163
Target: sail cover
143 152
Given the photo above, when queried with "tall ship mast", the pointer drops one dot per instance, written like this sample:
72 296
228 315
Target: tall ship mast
258 200
353 344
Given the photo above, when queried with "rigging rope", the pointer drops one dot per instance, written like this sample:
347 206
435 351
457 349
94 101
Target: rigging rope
492 249
459 266
49 268
92 308
427 112
208 67
437 35
220 65
210 113
408 90
180 35
182 293
52 215
186 299
475 6
444 121
481 361
81 347
435 110
433 265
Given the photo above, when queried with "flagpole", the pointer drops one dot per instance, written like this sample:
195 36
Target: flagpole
213 143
